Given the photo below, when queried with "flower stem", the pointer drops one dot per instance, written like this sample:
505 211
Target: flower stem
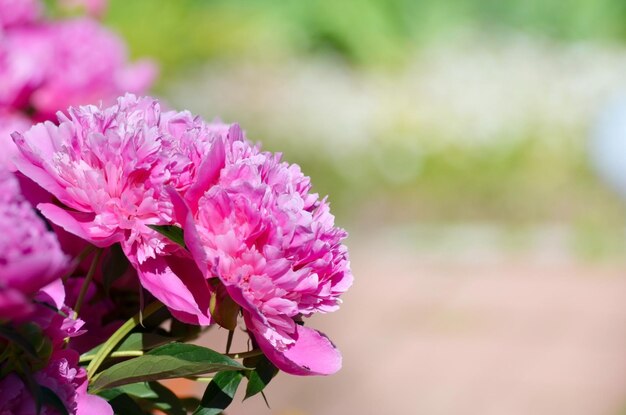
202 379
244 355
88 278
125 353
77 260
118 336
229 340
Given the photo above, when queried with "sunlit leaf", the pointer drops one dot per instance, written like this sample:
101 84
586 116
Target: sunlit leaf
264 371
219 393
171 232
173 360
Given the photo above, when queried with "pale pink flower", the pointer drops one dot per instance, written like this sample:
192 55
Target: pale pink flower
275 248
30 257
109 168
47 67
18 12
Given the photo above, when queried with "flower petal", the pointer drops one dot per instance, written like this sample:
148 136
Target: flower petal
91 404
178 284
208 173
311 354
76 223
182 214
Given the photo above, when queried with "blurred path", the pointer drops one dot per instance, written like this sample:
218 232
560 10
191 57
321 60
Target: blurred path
472 332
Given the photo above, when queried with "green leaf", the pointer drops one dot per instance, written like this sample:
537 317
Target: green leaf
150 396
139 389
219 394
173 360
121 402
171 232
48 398
190 403
135 341
264 371
9 333
114 266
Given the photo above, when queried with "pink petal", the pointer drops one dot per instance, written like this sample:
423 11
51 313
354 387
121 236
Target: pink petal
53 294
178 284
37 174
183 215
311 354
208 173
76 223
87 404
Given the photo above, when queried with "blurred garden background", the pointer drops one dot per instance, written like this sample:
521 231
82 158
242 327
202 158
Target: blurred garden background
453 139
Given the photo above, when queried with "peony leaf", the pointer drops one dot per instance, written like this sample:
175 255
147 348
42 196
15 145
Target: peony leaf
149 396
264 371
121 402
173 360
219 393
10 334
171 232
134 341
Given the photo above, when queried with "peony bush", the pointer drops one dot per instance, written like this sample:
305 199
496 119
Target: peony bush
160 225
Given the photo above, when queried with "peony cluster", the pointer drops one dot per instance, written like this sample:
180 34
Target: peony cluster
32 303
255 237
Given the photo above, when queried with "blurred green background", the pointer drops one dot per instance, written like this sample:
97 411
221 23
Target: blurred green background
452 137
435 112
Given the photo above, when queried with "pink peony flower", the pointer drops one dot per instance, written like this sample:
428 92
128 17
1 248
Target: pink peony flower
275 248
30 257
248 218
47 67
109 168
18 12
26 54
65 378
89 65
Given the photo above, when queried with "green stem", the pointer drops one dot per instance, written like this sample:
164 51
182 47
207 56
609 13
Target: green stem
244 355
229 340
118 336
125 353
203 379
77 261
88 278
